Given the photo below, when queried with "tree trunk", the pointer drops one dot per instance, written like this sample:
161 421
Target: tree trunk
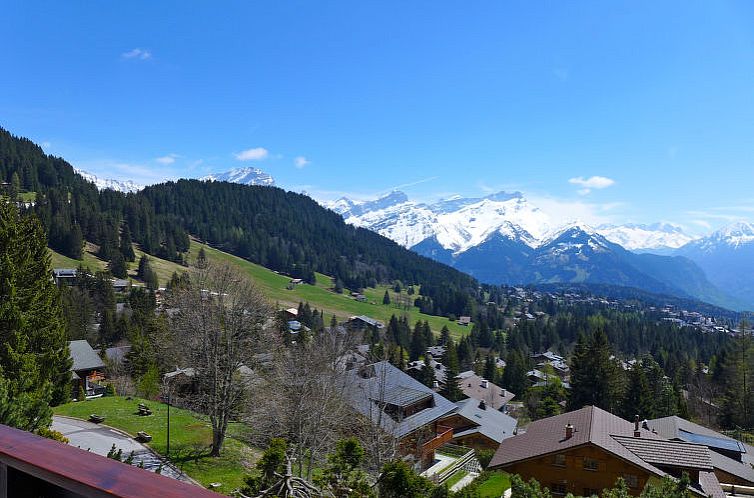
218 439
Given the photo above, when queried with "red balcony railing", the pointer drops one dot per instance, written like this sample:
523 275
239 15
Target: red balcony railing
31 465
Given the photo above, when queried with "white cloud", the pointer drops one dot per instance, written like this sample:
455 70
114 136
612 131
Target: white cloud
255 154
300 161
169 159
137 54
593 182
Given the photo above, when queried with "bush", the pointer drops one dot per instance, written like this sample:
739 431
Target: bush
484 457
51 434
109 390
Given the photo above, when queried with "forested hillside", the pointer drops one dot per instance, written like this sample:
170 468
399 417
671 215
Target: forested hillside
281 230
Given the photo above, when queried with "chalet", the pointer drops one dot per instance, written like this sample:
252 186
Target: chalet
731 459
587 450
436 352
290 314
87 368
479 389
296 281
401 407
464 320
414 369
64 275
121 284
475 425
363 322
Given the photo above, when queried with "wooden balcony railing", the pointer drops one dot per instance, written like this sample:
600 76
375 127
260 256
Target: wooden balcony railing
31 465
444 435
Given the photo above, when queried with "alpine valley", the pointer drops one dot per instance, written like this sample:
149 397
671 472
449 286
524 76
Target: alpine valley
504 239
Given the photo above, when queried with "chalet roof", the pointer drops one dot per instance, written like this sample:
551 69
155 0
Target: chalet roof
369 321
64 272
472 386
662 452
592 425
678 428
379 383
84 357
490 423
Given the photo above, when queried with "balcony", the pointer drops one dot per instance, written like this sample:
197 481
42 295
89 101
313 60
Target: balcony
31 465
444 436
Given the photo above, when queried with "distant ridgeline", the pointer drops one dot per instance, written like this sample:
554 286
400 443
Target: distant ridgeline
647 298
280 230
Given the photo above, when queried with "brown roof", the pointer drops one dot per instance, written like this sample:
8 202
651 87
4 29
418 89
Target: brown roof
592 425
668 453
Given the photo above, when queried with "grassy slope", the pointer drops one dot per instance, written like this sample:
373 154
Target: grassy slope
275 288
495 485
189 434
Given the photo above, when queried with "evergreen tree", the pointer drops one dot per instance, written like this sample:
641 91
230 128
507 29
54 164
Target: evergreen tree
427 373
117 265
201 259
490 369
638 400
386 298
34 361
445 335
451 389
514 374
596 377
126 244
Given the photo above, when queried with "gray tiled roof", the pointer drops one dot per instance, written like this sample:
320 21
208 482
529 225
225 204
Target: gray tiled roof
668 453
472 386
381 382
679 428
491 423
84 357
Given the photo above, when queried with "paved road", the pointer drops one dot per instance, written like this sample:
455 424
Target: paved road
100 439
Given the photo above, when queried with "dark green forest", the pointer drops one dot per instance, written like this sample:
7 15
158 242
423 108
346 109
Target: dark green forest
281 230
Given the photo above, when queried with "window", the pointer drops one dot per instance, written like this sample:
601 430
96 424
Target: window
591 464
559 460
632 481
558 488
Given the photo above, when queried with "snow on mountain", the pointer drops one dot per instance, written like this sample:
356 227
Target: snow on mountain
733 236
244 176
456 223
646 237
107 183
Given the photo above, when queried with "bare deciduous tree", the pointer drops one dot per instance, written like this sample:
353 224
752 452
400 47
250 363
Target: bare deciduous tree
305 400
217 331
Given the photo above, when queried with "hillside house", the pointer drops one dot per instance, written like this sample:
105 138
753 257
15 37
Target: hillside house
121 285
402 408
476 425
414 369
64 275
464 320
480 389
363 322
87 369
731 459
587 450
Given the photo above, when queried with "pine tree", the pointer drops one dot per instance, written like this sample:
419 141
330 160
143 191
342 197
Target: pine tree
596 377
34 361
638 399
201 259
451 390
386 298
117 265
126 244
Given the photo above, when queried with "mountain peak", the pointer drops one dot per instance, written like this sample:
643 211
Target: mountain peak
245 176
110 184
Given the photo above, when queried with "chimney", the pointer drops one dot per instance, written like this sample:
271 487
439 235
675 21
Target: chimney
482 405
485 383
637 432
502 392
569 431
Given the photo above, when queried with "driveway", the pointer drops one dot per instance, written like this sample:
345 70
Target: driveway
100 439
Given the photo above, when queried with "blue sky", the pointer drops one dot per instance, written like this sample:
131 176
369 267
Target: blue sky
655 99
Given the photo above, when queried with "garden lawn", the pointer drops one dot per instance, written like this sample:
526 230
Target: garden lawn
494 485
455 478
190 438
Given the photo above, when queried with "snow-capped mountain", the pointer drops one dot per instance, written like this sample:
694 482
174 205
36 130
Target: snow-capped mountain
503 238
657 236
457 224
244 176
107 183
727 256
